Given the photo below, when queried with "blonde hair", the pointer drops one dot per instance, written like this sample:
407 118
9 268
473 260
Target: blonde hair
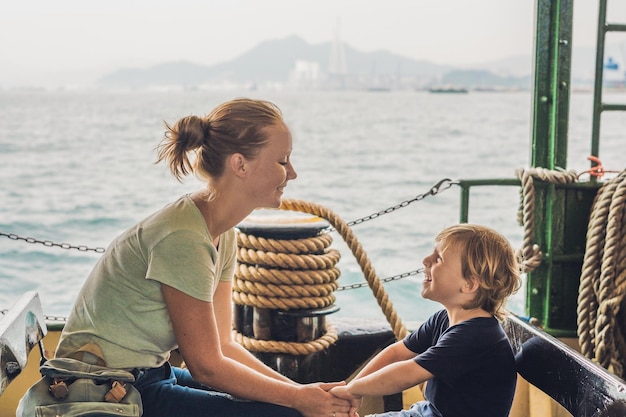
236 126
487 257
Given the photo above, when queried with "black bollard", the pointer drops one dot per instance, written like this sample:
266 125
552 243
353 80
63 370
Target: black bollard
299 325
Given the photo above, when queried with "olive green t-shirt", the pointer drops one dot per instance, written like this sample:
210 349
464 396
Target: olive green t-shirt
121 308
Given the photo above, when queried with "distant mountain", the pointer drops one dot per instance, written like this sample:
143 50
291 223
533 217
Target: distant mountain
271 61
274 61
484 79
513 66
170 73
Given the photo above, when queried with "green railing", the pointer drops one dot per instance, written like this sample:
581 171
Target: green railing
466 185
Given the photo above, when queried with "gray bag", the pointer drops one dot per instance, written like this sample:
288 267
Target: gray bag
84 388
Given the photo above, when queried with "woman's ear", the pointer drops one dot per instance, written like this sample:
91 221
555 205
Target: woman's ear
237 164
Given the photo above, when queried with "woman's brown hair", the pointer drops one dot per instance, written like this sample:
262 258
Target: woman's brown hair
236 126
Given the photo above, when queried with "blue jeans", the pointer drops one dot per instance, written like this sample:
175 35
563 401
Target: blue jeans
419 409
171 392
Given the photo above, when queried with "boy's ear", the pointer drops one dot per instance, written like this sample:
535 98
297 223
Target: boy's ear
471 285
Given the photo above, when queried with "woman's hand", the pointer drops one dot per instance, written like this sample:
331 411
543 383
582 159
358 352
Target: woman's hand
316 400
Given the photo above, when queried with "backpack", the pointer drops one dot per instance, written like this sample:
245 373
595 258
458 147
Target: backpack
71 388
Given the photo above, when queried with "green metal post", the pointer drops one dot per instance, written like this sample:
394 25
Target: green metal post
549 294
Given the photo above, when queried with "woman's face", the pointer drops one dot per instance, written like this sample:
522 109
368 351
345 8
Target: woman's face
271 169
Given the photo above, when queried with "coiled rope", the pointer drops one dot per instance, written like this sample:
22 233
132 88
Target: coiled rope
285 274
295 274
602 291
530 254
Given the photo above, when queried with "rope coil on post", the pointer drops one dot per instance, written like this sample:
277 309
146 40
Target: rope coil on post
292 348
286 274
299 274
531 254
346 233
602 292
264 278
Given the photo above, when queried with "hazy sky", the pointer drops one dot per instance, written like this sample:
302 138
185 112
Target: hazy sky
43 38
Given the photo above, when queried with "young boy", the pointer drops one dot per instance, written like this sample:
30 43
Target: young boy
462 351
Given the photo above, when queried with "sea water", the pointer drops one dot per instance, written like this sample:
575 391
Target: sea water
77 167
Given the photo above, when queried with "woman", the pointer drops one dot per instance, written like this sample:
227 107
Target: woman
166 282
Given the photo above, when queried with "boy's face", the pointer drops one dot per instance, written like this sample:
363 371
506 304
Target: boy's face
443 280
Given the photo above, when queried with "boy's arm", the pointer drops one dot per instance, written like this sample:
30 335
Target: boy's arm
391 354
391 379
391 371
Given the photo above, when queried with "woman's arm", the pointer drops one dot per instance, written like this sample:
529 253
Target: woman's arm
222 306
197 334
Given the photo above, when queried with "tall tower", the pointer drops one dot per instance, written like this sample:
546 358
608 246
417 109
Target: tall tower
337 63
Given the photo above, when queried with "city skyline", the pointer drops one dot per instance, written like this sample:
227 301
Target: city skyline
44 41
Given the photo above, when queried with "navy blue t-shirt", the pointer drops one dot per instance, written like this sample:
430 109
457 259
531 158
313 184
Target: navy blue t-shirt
472 363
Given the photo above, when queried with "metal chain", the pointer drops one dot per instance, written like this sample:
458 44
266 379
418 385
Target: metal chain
389 279
49 243
442 185
47 318
62 319
56 318
342 288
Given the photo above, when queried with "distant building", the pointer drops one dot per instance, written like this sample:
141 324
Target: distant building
305 75
337 65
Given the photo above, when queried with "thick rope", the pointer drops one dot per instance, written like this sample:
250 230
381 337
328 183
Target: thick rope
299 274
289 261
601 297
368 271
292 348
278 276
286 275
590 275
314 244
530 255
602 294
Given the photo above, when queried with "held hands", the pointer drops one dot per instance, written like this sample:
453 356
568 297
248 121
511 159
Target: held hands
343 391
316 400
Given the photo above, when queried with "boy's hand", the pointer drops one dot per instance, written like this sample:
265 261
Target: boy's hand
343 391
316 400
